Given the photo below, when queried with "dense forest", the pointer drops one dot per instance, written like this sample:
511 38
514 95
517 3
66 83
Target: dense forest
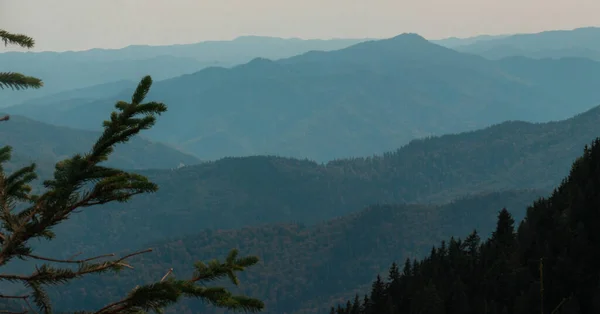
327 259
548 264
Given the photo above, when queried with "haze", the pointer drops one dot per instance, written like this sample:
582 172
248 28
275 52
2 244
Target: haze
79 25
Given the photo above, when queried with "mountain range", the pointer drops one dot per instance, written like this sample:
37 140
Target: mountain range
62 71
580 42
368 98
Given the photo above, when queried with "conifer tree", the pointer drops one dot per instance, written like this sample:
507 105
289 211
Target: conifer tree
355 306
81 182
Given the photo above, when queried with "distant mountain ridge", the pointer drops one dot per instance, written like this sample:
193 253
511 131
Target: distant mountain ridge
239 50
452 42
580 42
63 71
368 98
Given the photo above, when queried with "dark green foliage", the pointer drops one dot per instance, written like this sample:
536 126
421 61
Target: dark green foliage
18 81
550 265
15 80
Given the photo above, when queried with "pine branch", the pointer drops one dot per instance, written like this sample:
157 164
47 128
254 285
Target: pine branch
21 297
14 296
69 261
18 81
16 39
48 275
166 275
57 204
64 196
166 292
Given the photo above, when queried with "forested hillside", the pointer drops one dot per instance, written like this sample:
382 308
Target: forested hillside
304 268
549 264
238 192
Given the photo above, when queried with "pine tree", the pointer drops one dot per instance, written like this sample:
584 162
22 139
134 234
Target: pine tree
355 306
80 182
378 296
366 304
504 237
394 273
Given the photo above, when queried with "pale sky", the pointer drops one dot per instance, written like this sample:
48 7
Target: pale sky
83 24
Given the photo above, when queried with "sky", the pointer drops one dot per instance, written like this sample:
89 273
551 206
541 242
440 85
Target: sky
59 25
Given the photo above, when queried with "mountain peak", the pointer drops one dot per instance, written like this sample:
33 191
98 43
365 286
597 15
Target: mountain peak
410 41
409 37
401 47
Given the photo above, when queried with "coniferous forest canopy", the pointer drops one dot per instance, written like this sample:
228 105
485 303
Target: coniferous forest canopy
292 176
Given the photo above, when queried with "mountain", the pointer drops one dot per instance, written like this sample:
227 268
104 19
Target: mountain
62 71
46 144
303 267
371 97
251 191
580 42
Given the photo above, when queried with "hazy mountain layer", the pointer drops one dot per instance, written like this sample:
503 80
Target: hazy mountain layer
63 71
580 42
368 98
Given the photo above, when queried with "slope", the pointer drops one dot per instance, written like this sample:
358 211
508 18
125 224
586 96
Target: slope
368 98
302 267
238 192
